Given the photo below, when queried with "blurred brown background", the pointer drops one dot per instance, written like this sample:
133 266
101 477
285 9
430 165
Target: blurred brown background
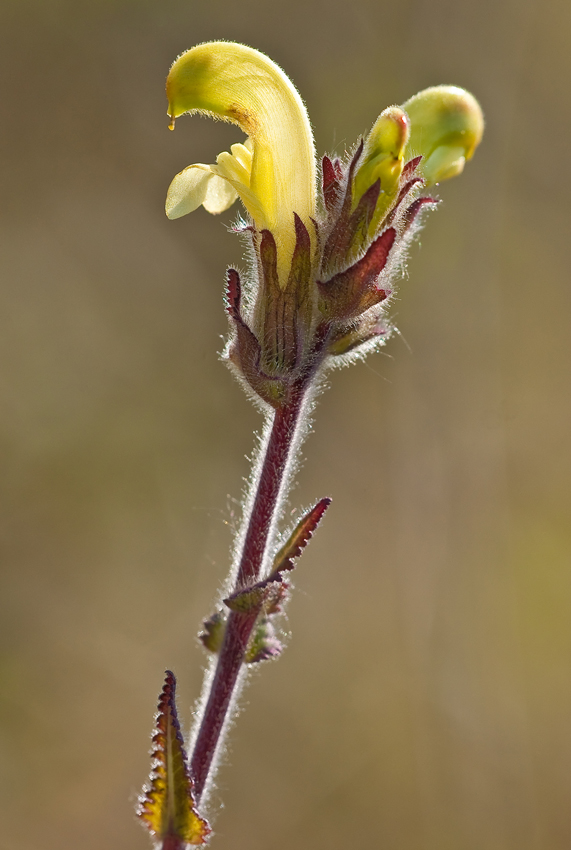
424 701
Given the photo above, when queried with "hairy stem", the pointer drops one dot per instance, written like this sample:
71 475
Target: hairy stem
270 489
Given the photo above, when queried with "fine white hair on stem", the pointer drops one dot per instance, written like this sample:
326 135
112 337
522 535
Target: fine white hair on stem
301 428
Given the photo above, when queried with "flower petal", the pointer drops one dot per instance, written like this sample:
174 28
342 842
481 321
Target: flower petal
445 162
198 185
243 154
233 168
220 195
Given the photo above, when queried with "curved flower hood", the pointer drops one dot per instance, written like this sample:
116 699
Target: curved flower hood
274 171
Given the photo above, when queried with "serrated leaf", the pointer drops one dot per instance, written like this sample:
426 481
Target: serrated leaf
267 593
266 597
299 538
166 806
271 591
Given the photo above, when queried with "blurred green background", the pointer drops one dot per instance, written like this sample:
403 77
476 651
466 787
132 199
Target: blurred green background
424 701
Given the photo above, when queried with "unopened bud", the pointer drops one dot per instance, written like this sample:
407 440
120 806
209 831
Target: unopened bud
446 126
383 153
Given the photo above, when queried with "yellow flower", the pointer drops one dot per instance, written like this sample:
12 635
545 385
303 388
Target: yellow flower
273 171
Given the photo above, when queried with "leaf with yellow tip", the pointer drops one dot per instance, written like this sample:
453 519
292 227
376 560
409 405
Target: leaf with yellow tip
166 806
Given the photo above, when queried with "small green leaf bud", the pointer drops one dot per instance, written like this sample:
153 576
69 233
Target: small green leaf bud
446 126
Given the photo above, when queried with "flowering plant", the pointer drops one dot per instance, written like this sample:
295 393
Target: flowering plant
324 266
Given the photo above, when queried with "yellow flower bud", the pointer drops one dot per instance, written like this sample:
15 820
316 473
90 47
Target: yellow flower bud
446 126
383 153
382 158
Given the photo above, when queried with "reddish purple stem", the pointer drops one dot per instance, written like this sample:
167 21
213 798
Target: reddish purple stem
239 626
